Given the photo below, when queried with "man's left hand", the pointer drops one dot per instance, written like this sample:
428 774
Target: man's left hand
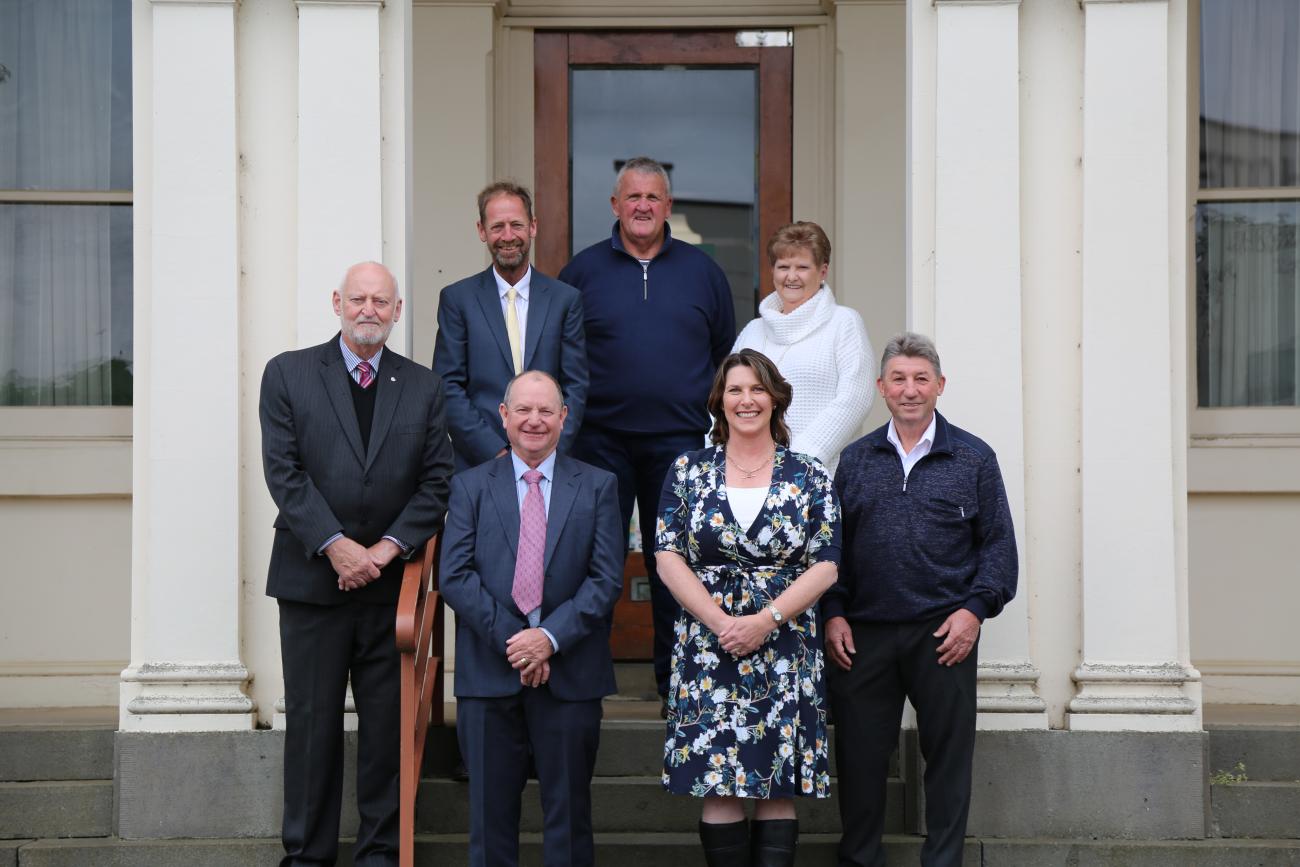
528 647
382 552
958 632
536 674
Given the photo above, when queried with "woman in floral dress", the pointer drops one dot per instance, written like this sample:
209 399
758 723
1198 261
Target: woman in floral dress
748 539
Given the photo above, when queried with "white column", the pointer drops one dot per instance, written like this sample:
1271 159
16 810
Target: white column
977 315
185 670
340 141
1132 676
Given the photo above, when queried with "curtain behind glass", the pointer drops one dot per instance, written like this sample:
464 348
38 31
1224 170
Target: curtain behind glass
65 270
1250 93
1247 295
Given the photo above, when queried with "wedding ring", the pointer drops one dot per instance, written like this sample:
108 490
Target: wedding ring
524 660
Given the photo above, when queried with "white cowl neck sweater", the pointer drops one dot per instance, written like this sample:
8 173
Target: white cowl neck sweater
823 351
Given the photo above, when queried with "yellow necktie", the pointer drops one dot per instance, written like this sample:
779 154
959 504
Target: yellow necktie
512 331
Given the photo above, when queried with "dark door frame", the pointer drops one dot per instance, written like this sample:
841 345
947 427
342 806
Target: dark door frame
555 52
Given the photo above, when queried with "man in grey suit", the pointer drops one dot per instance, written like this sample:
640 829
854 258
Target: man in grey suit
357 460
532 564
502 321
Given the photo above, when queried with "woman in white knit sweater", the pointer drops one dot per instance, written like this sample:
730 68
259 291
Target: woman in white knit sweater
821 348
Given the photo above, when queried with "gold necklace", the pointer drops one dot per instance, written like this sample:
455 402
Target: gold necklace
749 474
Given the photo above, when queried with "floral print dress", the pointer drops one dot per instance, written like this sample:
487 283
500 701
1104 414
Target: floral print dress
753 726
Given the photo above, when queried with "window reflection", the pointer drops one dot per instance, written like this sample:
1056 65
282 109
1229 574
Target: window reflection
1247 294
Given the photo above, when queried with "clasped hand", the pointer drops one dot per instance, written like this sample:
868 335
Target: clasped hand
741 636
528 652
357 565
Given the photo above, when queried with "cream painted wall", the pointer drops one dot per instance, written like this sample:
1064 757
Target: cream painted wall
64 624
452 92
869 270
1244 596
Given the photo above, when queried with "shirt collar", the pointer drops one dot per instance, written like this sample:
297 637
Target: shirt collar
522 287
546 467
351 359
928 437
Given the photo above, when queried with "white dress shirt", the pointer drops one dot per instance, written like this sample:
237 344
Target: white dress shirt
521 301
920 450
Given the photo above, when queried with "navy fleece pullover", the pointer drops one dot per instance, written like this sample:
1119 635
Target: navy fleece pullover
923 548
655 335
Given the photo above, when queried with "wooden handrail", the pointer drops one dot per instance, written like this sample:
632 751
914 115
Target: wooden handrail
419 632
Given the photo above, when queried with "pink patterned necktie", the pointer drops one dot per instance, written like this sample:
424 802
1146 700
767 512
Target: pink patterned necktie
365 374
527 591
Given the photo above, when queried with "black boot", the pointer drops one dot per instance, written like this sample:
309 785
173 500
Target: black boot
773 841
725 845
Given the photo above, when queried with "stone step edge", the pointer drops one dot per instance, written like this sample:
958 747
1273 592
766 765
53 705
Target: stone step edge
677 838
33 785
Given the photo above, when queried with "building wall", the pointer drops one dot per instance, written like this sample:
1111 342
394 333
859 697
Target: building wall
64 624
863 166
1244 596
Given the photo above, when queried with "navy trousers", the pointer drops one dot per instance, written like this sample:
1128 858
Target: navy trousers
320 646
497 736
896 661
640 462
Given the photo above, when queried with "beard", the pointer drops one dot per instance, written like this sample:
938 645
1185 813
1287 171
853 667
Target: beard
367 333
510 257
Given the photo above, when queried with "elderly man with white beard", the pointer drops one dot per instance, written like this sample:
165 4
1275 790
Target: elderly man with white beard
357 460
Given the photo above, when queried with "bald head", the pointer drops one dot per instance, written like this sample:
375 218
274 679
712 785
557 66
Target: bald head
533 414
368 305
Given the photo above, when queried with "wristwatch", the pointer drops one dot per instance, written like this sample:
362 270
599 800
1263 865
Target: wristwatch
777 617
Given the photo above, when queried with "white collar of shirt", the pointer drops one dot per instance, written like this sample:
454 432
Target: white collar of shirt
546 468
521 300
351 359
920 450
521 288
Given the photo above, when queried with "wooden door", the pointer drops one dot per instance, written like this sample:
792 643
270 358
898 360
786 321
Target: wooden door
735 231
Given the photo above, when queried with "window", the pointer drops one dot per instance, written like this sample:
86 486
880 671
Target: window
1248 205
65 203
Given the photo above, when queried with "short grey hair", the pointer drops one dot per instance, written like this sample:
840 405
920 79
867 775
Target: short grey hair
644 166
911 345
559 392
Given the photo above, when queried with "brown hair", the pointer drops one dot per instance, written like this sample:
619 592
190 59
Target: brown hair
768 377
504 188
803 235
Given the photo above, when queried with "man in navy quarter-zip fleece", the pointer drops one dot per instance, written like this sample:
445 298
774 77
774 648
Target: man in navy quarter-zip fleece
659 318
929 554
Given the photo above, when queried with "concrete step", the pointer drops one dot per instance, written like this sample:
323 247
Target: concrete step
1262 809
1267 753
625 805
628 748
679 850
63 808
28 754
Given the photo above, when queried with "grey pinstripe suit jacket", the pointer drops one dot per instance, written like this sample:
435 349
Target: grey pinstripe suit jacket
324 483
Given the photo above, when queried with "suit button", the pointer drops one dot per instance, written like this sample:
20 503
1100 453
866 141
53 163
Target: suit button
369 483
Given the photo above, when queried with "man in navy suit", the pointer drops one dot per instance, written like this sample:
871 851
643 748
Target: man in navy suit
500 322
532 564
357 460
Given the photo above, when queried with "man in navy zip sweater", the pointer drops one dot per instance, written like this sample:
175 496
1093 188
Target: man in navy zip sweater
659 318
929 554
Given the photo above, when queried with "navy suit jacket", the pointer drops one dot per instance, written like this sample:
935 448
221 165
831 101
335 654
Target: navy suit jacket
472 355
323 482
583 570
